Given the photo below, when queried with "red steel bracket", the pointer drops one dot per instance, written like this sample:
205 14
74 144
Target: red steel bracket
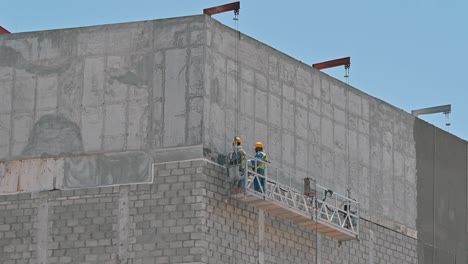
333 63
4 31
235 6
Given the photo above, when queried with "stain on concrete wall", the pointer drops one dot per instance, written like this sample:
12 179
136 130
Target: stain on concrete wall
109 169
53 135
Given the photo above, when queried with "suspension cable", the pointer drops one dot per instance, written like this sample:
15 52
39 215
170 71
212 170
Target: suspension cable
237 98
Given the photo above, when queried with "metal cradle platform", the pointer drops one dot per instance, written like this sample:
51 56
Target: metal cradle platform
320 210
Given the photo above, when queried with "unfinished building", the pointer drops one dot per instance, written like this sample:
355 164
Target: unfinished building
113 137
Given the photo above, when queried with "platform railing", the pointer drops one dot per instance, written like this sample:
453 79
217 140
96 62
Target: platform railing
274 184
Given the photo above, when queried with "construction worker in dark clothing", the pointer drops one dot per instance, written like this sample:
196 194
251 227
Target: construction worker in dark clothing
259 165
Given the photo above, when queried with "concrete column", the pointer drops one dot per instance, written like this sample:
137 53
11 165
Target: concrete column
42 230
371 247
318 248
123 225
261 236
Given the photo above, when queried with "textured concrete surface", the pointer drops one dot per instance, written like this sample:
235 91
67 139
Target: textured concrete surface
442 164
134 86
311 124
183 217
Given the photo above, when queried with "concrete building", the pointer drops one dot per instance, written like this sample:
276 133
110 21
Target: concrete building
112 139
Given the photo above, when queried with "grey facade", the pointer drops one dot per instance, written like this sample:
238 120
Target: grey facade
98 106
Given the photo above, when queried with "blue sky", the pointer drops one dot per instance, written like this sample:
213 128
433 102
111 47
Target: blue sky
409 53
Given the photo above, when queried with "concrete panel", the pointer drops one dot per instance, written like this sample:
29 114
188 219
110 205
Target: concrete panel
26 48
301 157
288 147
304 81
354 104
289 93
231 90
93 83
338 95
194 129
326 134
275 87
246 75
340 174
261 82
22 124
92 126
170 34
328 168
252 54
247 100
325 90
116 120
317 85
261 134
339 139
288 113
314 128
70 91
6 72
274 110
5 120
6 88
9 177
315 161
47 92
315 105
261 105
130 37
363 153
339 115
302 99
301 122
196 72
41 175
327 110
23 101
137 132
175 110
274 144
32 175
56 44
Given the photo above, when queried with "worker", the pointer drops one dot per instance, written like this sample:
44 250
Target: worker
259 166
238 157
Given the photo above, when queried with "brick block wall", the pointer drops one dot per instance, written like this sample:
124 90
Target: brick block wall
183 217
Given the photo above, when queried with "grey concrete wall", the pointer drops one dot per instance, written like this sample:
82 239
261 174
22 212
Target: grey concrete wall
157 85
132 86
442 162
106 100
183 217
311 124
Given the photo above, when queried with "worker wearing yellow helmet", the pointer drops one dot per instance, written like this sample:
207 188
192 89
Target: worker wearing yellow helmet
259 166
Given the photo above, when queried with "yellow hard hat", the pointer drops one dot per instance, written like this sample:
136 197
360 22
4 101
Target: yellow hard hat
259 145
237 140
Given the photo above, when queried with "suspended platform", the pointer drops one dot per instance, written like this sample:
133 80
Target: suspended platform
320 209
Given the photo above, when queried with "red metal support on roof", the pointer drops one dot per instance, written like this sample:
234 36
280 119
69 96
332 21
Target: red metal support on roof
234 6
333 63
4 31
